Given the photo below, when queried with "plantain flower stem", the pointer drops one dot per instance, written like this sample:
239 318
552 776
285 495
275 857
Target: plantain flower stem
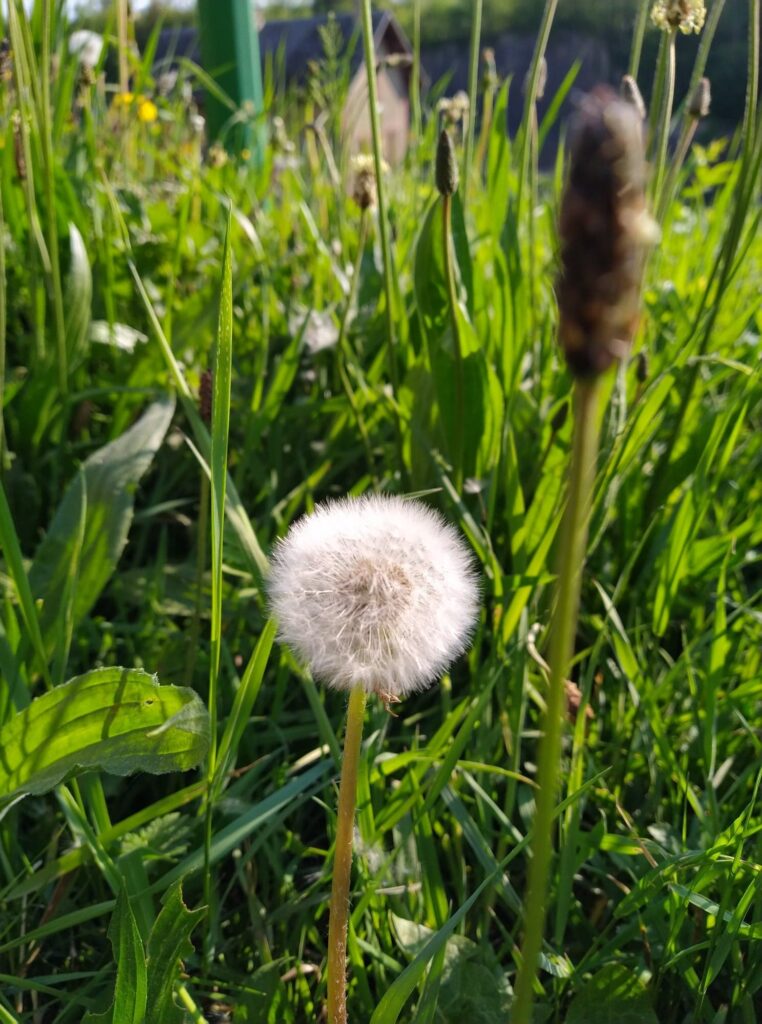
570 564
460 412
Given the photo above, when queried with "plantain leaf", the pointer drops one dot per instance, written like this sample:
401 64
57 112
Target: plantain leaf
168 943
117 720
109 478
130 990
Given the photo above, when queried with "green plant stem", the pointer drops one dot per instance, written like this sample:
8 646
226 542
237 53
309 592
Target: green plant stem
641 19
46 138
383 227
415 75
3 319
681 151
458 452
571 561
342 347
342 861
752 87
531 95
661 139
473 81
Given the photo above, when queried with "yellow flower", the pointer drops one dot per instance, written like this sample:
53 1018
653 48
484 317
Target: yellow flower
123 99
147 111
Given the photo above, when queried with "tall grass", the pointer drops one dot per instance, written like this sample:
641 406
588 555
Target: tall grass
654 903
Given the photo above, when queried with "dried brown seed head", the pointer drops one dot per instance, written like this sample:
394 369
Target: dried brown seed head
604 230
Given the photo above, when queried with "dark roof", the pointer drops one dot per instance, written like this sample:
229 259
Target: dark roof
299 38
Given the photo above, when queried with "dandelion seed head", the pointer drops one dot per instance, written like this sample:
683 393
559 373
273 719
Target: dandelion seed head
377 591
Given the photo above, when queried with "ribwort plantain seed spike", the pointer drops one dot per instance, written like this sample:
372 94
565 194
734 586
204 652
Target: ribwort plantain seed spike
447 165
604 230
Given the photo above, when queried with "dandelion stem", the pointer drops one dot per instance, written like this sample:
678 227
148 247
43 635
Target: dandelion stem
342 861
571 560
458 443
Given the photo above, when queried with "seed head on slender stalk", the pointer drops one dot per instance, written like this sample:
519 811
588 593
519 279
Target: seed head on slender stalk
605 229
376 592
602 242
378 595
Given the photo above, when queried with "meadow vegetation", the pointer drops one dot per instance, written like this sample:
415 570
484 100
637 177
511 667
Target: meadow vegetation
197 347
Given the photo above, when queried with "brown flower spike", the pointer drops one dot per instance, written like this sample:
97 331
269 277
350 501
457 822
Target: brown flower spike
604 231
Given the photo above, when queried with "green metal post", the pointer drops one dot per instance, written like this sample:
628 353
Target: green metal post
230 54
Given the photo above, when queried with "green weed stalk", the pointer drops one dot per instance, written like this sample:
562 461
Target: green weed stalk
383 226
473 93
571 559
602 241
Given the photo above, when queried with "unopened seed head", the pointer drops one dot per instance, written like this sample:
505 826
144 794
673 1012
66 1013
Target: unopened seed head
701 99
377 591
364 188
631 94
446 165
542 79
604 231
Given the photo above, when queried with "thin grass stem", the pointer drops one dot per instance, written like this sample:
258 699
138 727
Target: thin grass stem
383 226
473 98
342 347
458 452
570 564
661 137
533 80
46 139
641 19
415 76
342 861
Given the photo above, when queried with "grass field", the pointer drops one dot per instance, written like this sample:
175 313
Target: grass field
166 854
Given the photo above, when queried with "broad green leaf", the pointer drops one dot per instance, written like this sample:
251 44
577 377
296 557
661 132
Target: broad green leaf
615 995
130 991
110 477
168 943
116 720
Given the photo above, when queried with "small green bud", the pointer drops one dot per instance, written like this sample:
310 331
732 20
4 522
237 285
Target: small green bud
559 417
447 165
641 368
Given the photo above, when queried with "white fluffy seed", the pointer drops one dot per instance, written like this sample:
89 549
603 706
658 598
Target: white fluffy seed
377 591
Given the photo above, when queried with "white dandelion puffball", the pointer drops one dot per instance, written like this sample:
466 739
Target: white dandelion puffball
377 591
